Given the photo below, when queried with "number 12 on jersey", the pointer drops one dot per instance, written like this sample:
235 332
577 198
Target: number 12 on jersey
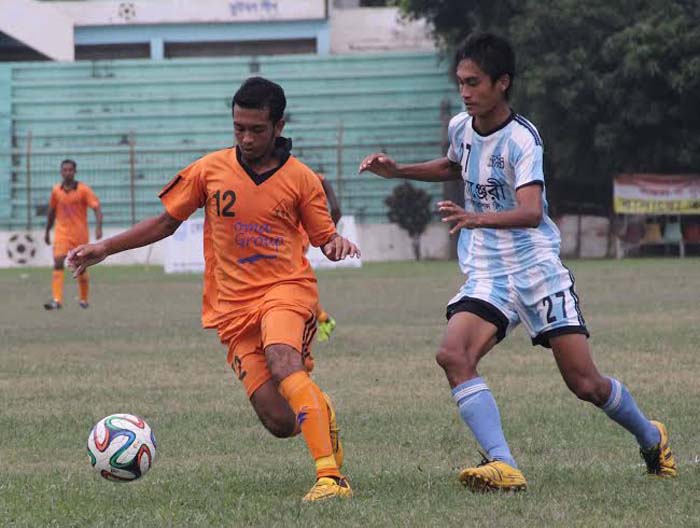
228 198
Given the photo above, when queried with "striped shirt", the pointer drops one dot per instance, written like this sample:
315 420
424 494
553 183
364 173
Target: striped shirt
494 166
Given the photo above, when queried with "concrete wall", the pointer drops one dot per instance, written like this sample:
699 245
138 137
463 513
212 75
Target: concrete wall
378 242
594 234
40 26
376 29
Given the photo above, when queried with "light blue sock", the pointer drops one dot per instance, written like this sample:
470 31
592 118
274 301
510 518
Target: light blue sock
479 411
622 408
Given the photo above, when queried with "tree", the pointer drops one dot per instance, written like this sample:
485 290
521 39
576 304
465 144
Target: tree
409 207
612 86
452 20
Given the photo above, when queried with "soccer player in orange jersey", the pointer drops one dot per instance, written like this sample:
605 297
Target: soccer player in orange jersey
68 207
259 290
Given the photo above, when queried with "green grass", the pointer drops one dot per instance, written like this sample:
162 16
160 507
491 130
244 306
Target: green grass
139 349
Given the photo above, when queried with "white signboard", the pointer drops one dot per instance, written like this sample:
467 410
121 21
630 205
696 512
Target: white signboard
183 250
98 13
346 228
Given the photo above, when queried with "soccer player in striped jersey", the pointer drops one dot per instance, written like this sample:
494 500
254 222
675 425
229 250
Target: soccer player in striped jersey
509 250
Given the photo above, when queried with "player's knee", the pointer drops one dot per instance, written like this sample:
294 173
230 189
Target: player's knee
283 361
451 356
588 389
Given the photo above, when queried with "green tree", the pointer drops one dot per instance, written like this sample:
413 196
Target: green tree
409 207
612 86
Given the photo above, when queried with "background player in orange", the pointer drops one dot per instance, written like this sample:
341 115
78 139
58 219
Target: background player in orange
259 290
68 207
326 323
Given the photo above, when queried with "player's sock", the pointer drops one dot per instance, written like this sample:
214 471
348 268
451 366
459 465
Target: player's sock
479 411
306 400
622 408
83 286
321 314
57 285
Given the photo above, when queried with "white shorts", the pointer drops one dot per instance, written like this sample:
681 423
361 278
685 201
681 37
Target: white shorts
542 298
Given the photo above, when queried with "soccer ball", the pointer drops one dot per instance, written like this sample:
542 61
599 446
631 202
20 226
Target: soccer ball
21 248
121 447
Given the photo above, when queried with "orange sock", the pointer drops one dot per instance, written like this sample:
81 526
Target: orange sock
83 286
321 314
57 285
306 401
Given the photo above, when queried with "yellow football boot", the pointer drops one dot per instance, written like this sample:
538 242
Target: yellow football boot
338 452
325 329
329 488
659 459
493 475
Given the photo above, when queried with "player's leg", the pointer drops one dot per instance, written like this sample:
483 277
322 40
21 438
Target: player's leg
274 411
576 365
553 317
311 409
57 280
474 327
83 289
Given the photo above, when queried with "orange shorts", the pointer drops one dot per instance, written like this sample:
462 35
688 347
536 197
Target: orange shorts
62 245
276 321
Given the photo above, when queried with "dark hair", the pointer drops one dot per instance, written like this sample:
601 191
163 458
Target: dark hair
493 54
260 93
75 165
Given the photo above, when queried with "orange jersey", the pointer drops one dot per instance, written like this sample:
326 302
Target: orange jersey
71 212
252 240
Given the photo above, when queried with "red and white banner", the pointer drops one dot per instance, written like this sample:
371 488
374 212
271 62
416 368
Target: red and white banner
657 194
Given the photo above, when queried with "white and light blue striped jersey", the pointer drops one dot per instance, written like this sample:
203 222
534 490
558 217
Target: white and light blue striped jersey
493 168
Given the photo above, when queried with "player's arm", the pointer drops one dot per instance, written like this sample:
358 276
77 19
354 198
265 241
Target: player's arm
527 213
142 234
98 222
333 202
50 219
315 220
437 170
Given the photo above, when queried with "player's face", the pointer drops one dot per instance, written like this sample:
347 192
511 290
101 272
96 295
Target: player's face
480 94
255 132
68 172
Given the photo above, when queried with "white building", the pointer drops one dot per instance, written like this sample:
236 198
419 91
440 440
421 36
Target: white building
160 29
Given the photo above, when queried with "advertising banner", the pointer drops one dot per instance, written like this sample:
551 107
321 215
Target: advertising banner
656 194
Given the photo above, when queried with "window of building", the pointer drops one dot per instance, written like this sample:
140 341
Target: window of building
113 51
228 49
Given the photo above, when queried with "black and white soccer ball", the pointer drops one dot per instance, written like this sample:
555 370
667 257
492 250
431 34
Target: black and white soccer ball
21 248
126 10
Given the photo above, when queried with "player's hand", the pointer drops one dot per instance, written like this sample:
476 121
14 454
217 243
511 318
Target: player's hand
454 213
380 164
340 248
98 232
47 238
80 258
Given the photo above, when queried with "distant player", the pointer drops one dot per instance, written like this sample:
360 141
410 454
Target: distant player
259 290
509 250
68 207
326 323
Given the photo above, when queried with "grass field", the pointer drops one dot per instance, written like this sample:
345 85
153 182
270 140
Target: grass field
139 349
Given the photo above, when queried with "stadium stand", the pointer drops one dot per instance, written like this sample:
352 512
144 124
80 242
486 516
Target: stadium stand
143 120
